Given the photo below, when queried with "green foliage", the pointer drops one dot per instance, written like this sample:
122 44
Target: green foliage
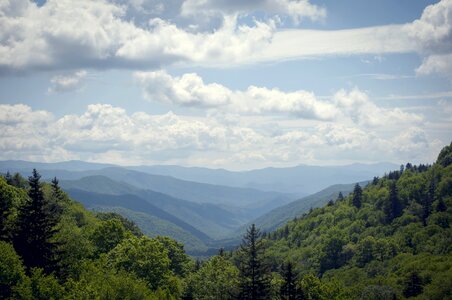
83 257
107 235
357 196
12 272
254 273
401 228
218 279
128 225
445 156
146 258
98 281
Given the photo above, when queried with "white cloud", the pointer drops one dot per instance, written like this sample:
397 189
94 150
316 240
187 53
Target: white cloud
66 34
357 106
296 9
190 90
441 64
67 83
433 35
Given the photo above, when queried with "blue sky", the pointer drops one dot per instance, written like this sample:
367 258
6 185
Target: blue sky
230 84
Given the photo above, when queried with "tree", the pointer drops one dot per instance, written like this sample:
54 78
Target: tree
57 193
146 258
254 273
413 285
6 204
107 235
445 156
392 208
216 279
9 178
357 196
427 201
332 257
441 206
12 271
340 197
35 228
288 289
179 261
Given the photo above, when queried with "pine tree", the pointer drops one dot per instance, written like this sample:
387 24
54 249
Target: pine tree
254 273
9 178
357 196
57 193
288 289
340 197
393 208
35 228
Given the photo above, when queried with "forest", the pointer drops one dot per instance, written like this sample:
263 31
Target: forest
390 239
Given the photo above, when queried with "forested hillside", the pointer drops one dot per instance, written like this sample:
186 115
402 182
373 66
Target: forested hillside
390 239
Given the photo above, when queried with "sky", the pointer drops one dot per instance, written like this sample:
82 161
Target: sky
225 83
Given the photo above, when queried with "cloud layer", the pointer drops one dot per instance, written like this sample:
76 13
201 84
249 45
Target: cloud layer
64 34
108 133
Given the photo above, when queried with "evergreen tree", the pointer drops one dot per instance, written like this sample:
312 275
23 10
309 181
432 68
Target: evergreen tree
357 196
57 193
441 206
19 181
35 228
413 285
9 178
393 208
288 289
340 197
427 202
254 273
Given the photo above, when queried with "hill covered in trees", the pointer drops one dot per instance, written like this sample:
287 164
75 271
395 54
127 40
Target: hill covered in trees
390 239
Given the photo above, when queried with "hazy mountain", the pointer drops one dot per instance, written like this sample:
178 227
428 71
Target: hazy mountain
300 180
208 218
225 196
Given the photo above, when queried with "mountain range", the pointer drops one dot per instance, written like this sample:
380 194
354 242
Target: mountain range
203 208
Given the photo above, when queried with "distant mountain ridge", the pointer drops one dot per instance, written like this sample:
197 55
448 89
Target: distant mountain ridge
300 180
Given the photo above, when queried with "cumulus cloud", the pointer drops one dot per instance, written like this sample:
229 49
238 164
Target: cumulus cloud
65 34
67 83
433 34
190 90
357 106
441 64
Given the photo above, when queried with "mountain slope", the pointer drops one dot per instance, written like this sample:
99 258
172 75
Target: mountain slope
280 215
392 241
134 203
208 218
